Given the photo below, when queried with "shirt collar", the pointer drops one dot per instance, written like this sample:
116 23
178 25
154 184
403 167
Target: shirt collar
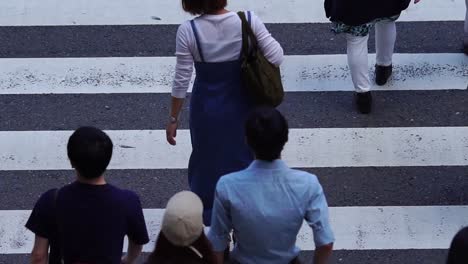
268 165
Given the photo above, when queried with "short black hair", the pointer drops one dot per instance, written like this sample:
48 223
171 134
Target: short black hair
458 252
267 132
90 151
200 7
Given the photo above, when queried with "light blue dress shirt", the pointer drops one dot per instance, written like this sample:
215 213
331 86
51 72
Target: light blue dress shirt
265 205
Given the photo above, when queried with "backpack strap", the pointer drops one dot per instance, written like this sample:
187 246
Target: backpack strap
195 33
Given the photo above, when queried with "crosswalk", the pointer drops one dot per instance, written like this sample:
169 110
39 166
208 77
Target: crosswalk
161 12
396 180
359 228
306 148
302 73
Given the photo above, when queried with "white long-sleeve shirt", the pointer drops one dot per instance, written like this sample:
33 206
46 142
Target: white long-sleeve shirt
220 39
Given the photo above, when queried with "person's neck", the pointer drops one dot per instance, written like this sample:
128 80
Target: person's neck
219 12
96 181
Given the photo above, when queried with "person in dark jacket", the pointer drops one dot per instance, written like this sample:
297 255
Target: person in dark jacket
355 19
458 252
182 238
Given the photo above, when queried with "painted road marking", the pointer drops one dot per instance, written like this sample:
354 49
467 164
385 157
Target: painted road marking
137 12
155 74
320 147
355 228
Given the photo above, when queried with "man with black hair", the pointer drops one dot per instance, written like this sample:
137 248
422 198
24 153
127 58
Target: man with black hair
86 221
266 204
458 251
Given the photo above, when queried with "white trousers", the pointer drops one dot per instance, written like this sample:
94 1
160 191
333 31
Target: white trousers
385 37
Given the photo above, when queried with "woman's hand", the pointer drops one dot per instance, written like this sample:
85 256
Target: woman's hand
171 132
171 128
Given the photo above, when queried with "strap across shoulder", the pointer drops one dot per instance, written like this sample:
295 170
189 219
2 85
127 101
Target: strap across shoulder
197 39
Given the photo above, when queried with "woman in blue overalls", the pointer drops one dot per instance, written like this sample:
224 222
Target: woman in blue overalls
219 104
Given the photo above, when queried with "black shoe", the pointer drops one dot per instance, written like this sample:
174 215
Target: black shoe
382 73
364 102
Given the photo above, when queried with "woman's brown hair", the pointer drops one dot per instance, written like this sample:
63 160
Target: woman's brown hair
200 7
167 253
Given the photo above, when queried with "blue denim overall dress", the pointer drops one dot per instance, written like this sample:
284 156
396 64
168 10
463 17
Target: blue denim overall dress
218 109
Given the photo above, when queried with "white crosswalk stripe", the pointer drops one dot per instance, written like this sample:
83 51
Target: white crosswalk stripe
154 74
307 148
357 228
121 12
361 228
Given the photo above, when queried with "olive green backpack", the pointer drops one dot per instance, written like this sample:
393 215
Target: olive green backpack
259 76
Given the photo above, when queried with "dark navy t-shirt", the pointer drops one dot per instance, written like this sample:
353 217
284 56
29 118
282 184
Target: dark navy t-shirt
93 221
